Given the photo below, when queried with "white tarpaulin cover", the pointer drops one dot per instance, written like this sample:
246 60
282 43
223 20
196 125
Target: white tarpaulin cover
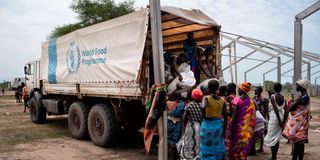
104 58
107 52
194 15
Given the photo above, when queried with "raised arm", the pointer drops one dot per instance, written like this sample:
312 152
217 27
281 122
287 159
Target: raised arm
175 67
203 106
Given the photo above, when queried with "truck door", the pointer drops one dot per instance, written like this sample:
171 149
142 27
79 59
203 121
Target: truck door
32 75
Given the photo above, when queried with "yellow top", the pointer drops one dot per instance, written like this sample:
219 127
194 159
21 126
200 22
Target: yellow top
214 107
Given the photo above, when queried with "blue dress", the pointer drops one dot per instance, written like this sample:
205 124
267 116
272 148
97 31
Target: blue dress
175 128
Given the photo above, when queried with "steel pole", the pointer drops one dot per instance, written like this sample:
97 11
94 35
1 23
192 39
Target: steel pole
309 77
235 65
158 64
230 62
279 69
245 76
297 50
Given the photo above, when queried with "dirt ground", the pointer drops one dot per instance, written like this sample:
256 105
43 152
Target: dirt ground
22 140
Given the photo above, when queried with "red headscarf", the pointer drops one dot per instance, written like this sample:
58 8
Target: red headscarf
197 94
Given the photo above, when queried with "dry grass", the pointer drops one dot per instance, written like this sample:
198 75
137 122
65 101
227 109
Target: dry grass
16 126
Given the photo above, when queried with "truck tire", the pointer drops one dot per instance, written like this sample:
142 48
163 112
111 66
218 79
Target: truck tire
37 112
103 126
78 120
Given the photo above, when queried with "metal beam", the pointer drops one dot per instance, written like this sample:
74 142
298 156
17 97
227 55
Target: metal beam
266 45
158 63
277 49
315 73
245 73
310 10
287 76
287 71
244 57
276 67
252 59
226 46
311 56
311 67
282 49
250 46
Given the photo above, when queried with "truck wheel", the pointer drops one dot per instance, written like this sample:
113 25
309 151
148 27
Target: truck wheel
103 125
37 112
78 120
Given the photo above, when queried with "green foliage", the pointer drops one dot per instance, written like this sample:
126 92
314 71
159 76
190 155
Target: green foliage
64 29
268 85
287 87
91 12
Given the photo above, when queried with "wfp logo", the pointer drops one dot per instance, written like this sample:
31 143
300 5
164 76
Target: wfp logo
73 58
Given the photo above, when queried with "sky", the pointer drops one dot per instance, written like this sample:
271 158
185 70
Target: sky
25 24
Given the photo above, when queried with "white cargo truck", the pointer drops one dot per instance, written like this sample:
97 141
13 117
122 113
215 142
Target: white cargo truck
100 75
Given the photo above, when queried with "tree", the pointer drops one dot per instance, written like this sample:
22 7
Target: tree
64 29
268 85
287 87
91 12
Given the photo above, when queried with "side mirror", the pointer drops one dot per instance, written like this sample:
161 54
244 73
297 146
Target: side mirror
25 70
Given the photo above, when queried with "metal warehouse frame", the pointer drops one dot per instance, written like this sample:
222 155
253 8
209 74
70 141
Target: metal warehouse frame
298 38
274 51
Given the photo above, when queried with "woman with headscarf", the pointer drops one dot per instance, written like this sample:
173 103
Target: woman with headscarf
212 146
243 122
296 129
276 122
189 145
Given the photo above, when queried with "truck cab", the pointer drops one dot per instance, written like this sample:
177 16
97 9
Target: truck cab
32 75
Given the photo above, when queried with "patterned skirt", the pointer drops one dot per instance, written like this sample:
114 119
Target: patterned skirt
212 146
189 145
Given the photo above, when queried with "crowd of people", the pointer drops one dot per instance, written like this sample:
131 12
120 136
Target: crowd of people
210 124
212 121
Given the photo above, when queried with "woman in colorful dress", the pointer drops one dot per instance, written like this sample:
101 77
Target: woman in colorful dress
231 94
189 145
175 108
276 122
243 122
212 146
297 126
